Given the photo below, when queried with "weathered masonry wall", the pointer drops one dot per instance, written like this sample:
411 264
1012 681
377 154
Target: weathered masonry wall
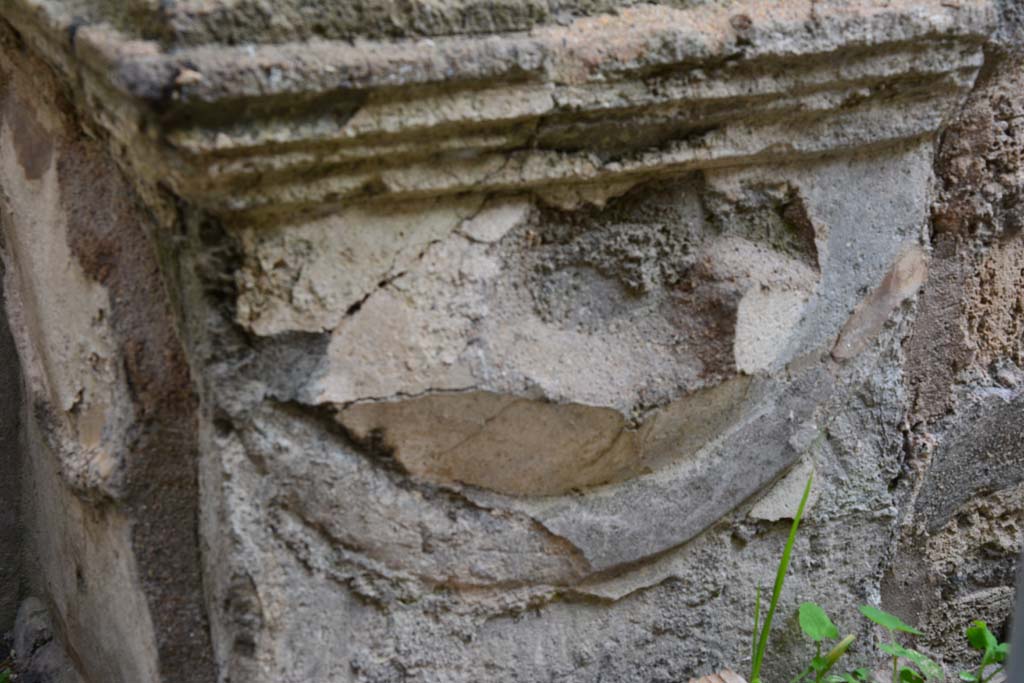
494 341
963 360
109 479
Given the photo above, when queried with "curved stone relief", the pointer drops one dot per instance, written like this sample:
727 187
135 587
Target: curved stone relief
497 355
619 373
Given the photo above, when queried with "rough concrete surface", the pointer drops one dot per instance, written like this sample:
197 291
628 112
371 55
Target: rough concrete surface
461 341
107 390
964 516
39 654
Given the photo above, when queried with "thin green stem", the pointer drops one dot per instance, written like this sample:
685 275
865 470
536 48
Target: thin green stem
780 578
833 656
895 665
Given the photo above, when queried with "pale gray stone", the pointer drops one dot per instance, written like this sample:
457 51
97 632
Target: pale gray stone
495 341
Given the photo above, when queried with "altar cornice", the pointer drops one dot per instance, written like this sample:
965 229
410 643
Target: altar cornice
271 129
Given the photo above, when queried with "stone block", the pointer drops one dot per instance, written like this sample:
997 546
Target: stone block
465 341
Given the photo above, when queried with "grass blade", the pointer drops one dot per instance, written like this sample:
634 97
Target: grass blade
780 578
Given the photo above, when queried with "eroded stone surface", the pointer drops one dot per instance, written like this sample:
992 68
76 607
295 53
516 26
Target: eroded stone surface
307 277
111 417
640 309
441 454
502 357
71 357
901 282
963 369
600 385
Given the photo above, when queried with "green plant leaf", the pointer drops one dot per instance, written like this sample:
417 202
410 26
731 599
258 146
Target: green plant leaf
888 621
968 676
908 675
815 623
931 670
1001 652
980 637
894 649
5 676
856 676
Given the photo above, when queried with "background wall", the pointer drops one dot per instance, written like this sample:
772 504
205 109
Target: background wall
10 468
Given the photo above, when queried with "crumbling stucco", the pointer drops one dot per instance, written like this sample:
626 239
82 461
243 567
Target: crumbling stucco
963 369
418 342
108 401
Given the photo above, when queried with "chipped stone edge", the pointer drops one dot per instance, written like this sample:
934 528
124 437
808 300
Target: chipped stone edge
164 109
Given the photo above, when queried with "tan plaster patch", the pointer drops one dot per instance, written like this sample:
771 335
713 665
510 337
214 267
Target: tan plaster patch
60 322
307 277
502 443
901 282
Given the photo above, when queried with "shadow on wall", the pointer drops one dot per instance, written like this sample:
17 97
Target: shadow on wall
10 403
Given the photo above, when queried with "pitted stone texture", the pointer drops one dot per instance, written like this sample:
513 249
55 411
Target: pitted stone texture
40 655
640 321
599 347
957 559
197 22
281 130
112 417
398 529
498 316
321 578
499 338
960 545
539 512
59 315
984 452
